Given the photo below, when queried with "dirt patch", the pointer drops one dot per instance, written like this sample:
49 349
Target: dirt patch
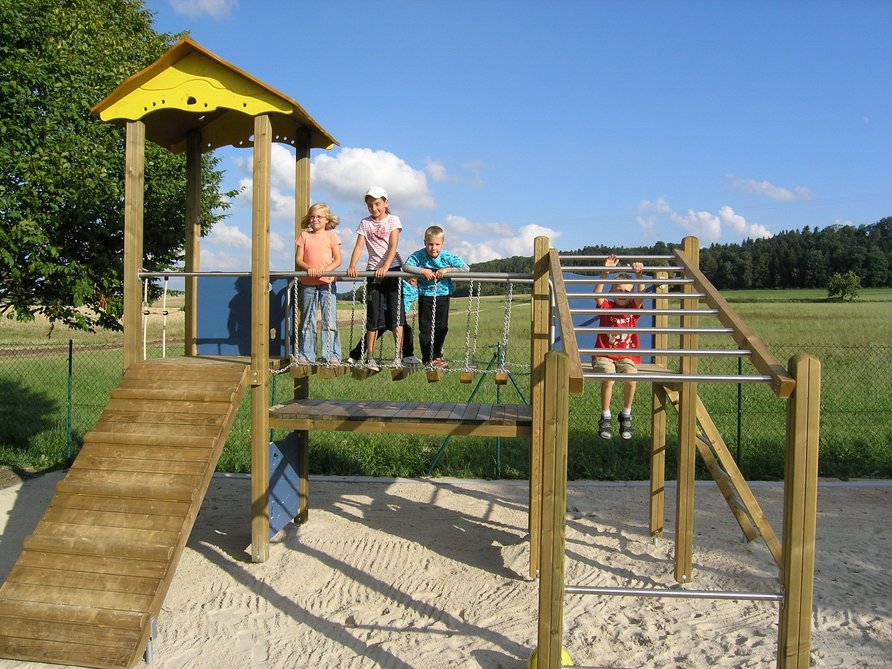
8 478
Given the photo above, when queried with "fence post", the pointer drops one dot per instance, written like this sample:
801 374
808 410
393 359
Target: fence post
70 401
800 513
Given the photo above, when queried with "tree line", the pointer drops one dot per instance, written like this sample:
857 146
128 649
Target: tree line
807 258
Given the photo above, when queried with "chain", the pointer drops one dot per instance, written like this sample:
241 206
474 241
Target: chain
506 329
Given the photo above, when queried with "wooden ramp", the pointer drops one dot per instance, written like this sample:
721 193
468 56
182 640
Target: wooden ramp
92 577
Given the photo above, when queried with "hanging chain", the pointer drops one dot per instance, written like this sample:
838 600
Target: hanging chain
468 327
433 320
503 354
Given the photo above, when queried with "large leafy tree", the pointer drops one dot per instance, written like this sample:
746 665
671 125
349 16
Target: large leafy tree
62 169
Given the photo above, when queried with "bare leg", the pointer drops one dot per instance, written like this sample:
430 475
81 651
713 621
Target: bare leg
606 394
398 339
371 338
629 394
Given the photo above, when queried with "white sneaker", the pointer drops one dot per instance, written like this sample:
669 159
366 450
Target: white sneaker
373 365
351 361
411 360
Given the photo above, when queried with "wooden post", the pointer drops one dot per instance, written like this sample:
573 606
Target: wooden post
687 434
554 508
193 235
260 340
800 513
658 421
302 385
539 345
134 194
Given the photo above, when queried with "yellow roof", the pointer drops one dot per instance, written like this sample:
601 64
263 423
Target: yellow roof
189 87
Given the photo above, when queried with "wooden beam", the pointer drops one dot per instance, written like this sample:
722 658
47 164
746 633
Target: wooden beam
800 513
193 236
260 340
539 345
687 435
781 382
134 194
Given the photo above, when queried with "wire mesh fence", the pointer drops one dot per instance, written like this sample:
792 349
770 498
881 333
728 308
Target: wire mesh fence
52 394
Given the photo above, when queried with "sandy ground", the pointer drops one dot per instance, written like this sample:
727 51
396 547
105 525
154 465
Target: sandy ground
430 574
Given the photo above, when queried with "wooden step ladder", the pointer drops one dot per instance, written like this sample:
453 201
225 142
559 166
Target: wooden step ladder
92 578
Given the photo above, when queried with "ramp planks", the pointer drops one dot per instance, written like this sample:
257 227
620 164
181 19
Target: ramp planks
95 572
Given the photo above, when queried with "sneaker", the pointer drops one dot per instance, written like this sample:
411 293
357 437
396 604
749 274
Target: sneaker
350 361
625 426
439 363
411 360
605 429
373 365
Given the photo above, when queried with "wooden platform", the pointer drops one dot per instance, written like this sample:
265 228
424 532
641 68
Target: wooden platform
485 420
94 574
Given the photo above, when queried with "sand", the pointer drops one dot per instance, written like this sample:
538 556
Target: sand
430 574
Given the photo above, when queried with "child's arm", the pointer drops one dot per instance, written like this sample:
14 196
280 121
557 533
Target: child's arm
299 260
392 244
412 266
637 268
335 254
455 263
354 257
611 261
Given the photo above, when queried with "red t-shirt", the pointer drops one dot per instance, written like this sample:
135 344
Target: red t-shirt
620 339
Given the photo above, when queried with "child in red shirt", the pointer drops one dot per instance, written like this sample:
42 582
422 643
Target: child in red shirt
625 341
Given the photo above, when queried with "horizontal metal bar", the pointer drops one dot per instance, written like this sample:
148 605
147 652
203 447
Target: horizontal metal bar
680 378
677 594
604 257
648 280
704 331
643 296
705 353
658 312
514 277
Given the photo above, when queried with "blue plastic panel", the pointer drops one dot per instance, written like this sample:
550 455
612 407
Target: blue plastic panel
224 316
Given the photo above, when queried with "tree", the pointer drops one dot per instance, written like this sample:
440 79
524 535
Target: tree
62 169
844 286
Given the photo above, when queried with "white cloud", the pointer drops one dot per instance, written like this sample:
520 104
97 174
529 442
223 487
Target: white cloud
347 174
281 191
217 9
740 227
702 224
473 242
228 236
475 167
648 212
462 225
221 261
436 170
769 190
705 225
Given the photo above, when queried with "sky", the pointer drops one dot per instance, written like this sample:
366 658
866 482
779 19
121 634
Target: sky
592 122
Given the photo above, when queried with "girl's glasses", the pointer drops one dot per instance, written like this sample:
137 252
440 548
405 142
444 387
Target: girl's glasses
318 218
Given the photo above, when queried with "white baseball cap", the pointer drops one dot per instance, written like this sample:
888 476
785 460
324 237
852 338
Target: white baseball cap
377 192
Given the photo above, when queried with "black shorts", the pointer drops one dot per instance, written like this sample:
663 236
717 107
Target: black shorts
383 304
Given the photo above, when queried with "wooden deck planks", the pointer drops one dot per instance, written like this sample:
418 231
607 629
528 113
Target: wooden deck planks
501 420
97 566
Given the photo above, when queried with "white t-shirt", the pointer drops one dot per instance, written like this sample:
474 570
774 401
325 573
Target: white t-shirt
377 239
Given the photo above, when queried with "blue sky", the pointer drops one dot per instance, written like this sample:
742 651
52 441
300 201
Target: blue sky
593 122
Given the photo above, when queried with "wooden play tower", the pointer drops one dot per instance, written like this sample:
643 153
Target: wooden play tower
111 538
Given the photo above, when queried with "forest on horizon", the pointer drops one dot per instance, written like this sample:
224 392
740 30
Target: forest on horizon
805 258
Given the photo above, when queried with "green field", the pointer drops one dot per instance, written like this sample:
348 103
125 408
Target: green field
851 339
